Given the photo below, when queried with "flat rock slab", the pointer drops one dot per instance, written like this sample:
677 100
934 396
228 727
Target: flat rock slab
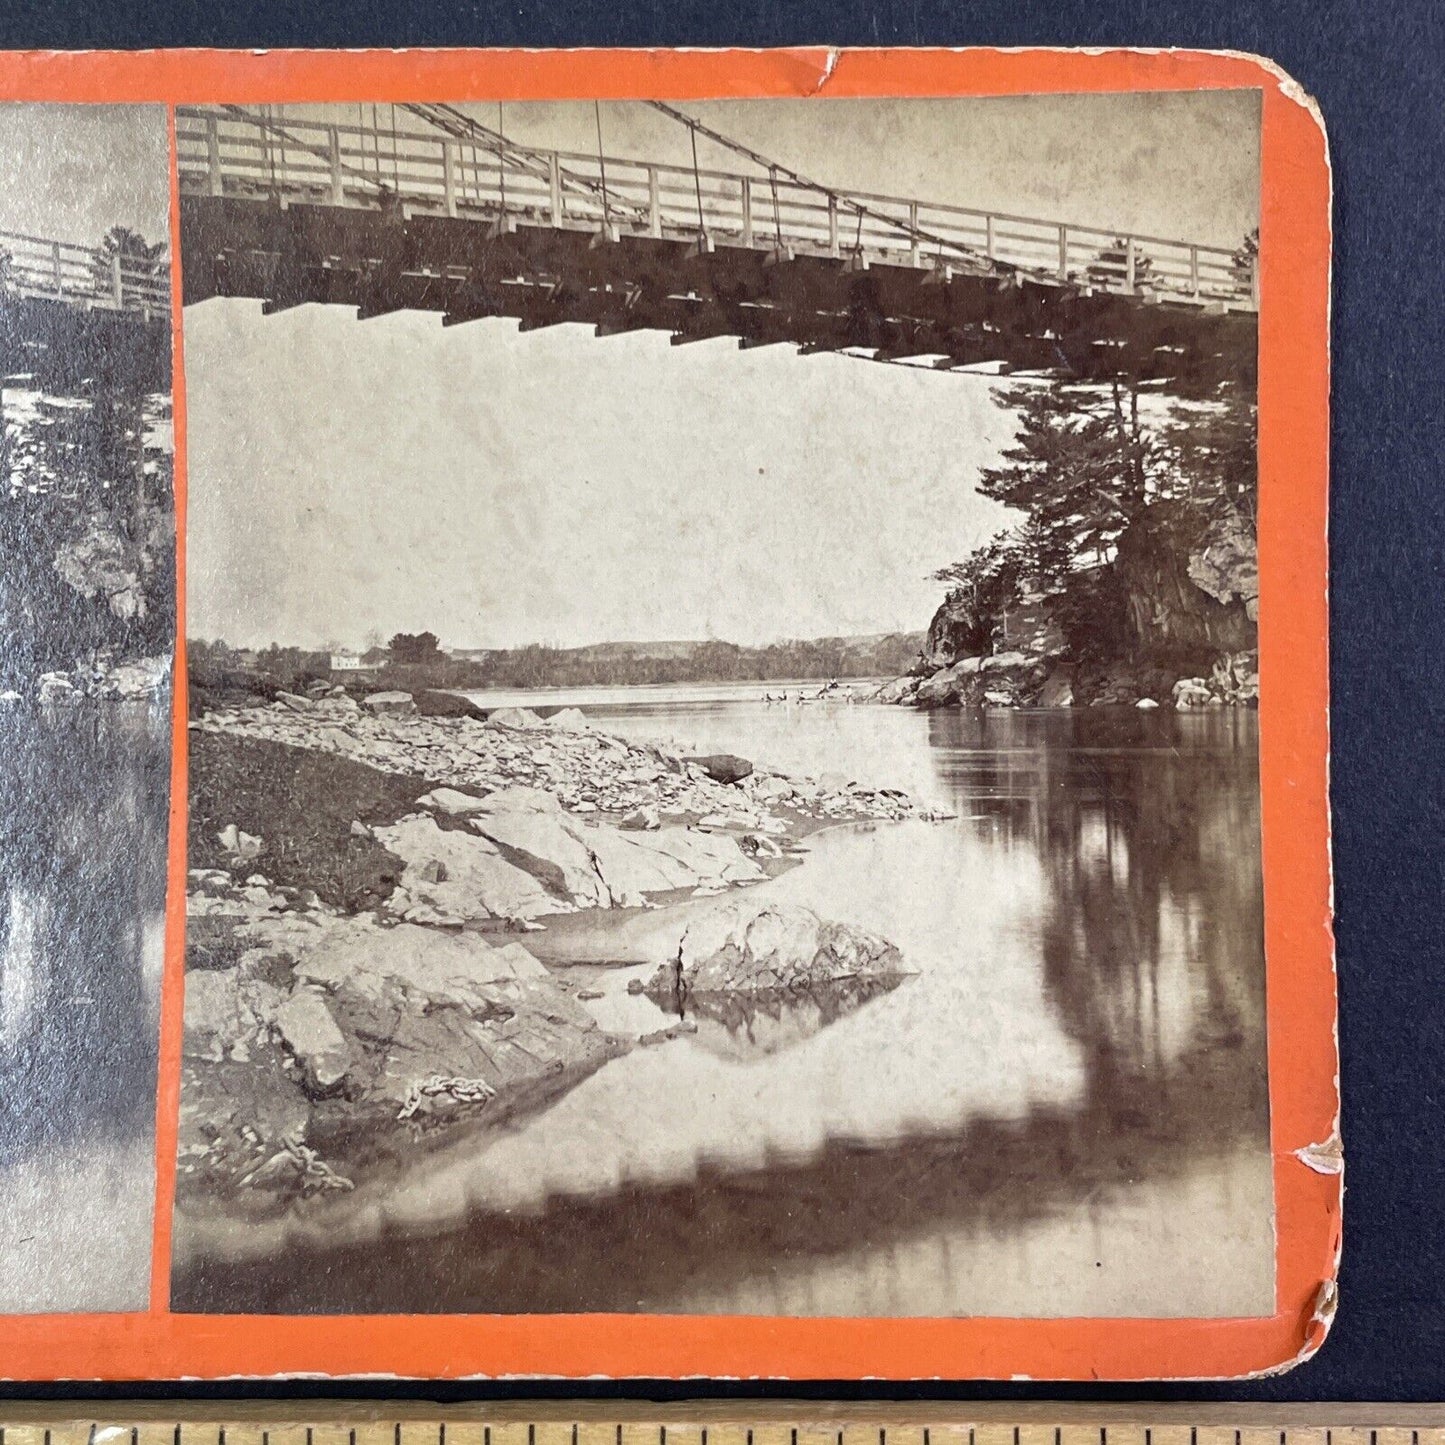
474 881
389 704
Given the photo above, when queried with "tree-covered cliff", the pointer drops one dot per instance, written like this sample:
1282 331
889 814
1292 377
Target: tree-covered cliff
1135 545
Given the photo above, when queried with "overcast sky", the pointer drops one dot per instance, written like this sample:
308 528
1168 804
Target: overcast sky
71 172
501 488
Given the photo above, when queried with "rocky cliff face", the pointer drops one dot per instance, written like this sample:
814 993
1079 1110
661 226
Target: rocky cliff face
1188 608
955 633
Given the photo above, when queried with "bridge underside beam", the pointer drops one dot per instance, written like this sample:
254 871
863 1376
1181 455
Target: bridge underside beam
379 262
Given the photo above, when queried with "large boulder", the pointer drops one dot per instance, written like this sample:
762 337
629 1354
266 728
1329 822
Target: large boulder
1234 678
779 946
711 859
1190 692
899 690
723 767
948 684
955 631
630 867
389 704
1058 689
227 1013
433 702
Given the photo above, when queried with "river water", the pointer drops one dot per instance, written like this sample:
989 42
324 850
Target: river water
82 898
1062 1112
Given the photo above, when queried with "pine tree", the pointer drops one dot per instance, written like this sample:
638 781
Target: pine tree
1079 470
139 259
1212 448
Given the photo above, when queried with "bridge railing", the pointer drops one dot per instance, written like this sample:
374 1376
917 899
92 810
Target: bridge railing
225 154
88 275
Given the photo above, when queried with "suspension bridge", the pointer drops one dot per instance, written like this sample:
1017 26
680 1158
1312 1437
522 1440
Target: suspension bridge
73 315
433 210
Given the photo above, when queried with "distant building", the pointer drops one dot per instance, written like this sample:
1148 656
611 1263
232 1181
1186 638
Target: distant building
346 661
247 657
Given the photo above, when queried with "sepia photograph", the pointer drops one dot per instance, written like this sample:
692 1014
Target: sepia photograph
88 616
722 668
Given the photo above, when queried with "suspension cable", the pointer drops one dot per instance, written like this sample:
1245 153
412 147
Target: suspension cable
458 123
602 165
270 157
267 126
502 159
774 168
697 186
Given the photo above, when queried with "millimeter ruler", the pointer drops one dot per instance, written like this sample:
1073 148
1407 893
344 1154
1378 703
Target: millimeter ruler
734 1422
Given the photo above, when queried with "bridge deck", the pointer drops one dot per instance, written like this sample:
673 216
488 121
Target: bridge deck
73 316
294 211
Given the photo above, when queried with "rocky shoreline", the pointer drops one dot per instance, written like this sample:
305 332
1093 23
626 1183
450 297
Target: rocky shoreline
140 679
1047 679
363 883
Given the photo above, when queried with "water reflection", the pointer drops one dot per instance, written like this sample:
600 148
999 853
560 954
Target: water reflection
762 1021
1063 1112
82 897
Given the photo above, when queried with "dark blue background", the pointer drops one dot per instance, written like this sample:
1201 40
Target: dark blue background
1376 69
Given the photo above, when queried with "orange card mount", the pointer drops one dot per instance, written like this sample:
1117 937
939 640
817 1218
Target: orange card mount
675 716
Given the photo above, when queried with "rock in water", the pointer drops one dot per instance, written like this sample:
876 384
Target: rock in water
723 767
743 947
899 690
946 685
389 704
1192 692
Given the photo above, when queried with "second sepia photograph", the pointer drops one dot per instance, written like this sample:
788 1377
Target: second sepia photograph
723 672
